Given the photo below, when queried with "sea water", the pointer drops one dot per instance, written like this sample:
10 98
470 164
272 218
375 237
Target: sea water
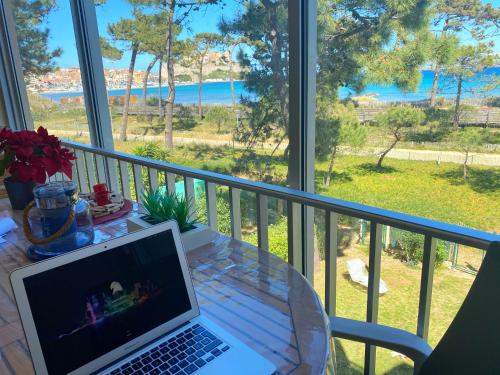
220 92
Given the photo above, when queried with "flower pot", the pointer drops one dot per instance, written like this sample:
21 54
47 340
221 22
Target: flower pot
198 236
20 193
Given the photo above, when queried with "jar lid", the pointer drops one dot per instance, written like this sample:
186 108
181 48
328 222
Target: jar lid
50 190
69 187
52 195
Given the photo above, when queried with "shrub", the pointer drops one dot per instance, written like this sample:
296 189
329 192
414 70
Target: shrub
278 238
183 78
152 101
223 213
218 74
410 248
400 117
434 114
185 118
221 116
151 150
494 101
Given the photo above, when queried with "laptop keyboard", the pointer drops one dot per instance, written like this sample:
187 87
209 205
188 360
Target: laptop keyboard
182 354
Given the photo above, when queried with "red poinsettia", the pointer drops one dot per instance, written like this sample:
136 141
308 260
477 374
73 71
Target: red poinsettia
32 156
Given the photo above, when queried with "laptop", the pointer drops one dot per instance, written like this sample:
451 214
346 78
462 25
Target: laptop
125 306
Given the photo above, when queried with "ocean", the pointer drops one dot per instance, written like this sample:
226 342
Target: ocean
219 92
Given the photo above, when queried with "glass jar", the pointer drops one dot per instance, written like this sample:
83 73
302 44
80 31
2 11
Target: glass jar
54 203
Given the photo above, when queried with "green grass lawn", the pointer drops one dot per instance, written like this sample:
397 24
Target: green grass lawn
398 307
419 188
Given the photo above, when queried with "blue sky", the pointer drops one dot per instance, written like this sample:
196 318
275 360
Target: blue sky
62 35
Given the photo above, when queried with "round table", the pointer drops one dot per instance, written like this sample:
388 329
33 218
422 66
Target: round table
252 294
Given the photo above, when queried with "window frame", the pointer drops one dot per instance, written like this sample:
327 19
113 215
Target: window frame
302 96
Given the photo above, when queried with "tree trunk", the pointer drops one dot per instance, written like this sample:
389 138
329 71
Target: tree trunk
169 108
434 89
330 167
456 114
278 67
465 164
279 80
231 78
437 69
126 101
145 80
200 88
397 137
159 88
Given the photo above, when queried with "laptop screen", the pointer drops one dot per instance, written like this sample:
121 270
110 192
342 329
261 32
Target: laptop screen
89 307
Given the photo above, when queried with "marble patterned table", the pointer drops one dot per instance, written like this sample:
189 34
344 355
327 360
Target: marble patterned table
254 295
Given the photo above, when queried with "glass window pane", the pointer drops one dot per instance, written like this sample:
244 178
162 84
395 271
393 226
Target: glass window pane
396 124
395 128
51 68
228 68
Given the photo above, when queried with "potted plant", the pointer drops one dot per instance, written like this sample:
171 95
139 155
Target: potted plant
29 157
161 206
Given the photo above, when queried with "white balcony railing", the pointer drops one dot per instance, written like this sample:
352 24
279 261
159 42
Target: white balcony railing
121 171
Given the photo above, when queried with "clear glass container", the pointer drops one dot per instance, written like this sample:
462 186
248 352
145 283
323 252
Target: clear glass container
54 203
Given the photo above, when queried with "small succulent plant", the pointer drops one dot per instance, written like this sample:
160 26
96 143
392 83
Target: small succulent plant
162 206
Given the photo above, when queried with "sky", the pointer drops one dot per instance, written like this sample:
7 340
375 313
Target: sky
62 34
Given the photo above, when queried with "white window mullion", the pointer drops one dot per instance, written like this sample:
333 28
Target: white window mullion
302 92
12 88
92 72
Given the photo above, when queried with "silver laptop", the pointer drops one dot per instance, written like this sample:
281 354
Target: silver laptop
125 306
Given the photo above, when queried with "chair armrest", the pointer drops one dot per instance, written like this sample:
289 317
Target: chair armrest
391 338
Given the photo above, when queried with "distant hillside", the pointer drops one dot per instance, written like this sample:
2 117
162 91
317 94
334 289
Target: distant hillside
216 68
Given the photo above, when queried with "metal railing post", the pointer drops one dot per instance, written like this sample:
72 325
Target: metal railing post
425 297
235 212
211 204
331 240
138 184
295 235
190 197
373 290
262 222
125 179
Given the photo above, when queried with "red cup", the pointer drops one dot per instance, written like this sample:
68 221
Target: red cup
102 198
100 188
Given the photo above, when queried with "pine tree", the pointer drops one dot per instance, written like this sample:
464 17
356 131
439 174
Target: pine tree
125 31
177 12
33 36
454 17
469 61
357 41
203 43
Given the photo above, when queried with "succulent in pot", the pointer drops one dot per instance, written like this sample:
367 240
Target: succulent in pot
162 206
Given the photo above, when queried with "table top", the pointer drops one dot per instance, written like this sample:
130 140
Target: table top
252 294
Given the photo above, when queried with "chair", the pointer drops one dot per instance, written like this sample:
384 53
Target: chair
471 345
358 274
